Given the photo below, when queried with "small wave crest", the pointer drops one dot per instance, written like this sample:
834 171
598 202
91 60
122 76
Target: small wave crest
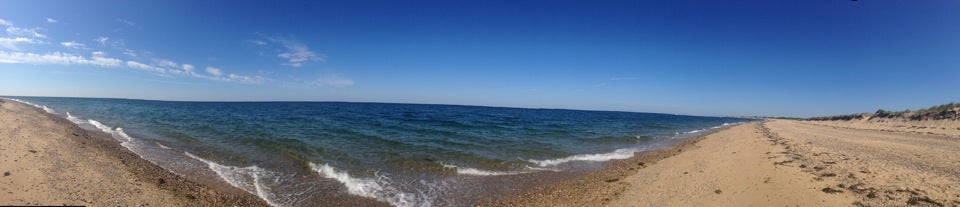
118 134
616 154
479 172
246 178
379 187
100 126
711 128
123 134
600 157
74 119
49 110
163 146
45 108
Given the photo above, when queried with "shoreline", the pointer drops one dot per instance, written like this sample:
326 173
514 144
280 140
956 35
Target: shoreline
772 163
70 158
214 177
599 187
591 188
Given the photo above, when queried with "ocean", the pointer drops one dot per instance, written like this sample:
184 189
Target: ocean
300 153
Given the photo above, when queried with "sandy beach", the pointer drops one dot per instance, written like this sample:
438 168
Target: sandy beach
47 160
774 163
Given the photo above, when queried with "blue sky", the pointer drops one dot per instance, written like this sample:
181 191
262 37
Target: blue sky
776 58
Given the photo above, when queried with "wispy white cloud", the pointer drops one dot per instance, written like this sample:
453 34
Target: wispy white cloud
115 44
11 43
17 31
102 40
622 78
129 52
214 71
258 42
144 67
245 78
165 63
101 58
126 21
217 74
17 36
188 68
333 80
74 45
58 58
296 53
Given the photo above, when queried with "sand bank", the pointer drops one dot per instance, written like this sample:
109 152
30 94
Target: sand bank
47 160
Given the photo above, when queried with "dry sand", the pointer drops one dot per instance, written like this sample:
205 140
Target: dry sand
941 127
775 163
47 160
882 168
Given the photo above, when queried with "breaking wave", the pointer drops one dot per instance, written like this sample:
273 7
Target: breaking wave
45 108
380 187
599 157
479 172
250 179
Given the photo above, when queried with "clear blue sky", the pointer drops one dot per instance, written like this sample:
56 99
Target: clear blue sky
776 58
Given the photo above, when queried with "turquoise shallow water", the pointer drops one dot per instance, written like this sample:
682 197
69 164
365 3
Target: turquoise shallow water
403 154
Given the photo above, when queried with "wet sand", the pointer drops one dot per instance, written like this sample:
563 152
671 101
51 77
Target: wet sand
775 163
47 160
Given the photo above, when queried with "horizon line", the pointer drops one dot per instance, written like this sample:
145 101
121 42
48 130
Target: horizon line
376 102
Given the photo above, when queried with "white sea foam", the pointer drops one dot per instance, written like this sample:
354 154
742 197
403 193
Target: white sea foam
479 172
246 178
711 128
118 134
123 135
615 155
48 110
543 169
74 119
378 187
725 125
163 146
600 157
45 108
695 131
100 126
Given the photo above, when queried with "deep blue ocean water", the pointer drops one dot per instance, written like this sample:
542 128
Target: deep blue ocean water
403 154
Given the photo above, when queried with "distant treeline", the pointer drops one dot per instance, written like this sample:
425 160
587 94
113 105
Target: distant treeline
950 111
